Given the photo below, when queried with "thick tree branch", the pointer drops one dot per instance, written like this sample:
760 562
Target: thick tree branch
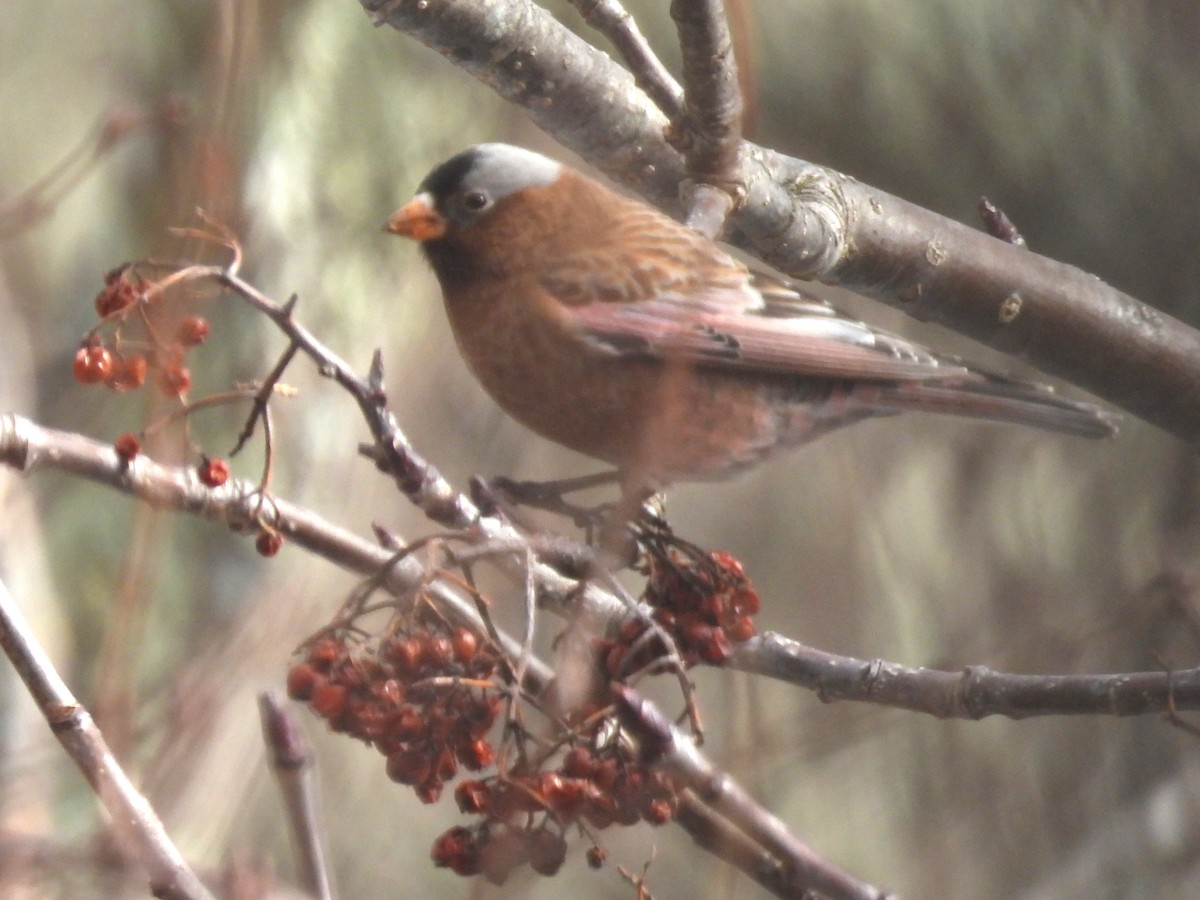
814 223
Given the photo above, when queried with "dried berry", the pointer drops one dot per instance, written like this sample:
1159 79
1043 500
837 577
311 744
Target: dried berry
472 796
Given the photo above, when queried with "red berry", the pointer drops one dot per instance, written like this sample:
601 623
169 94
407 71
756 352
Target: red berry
301 679
268 543
547 851
447 766
192 331
127 446
747 602
429 791
578 763
213 472
659 811
118 294
729 563
324 652
405 654
328 699
407 724
472 796
693 632
630 630
740 629
436 652
596 857
717 648
456 850
605 774
464 643
409 766
476 755
390 691
129 373
93 364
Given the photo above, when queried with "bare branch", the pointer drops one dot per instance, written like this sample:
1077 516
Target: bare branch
291 760
973 693
711 132
140 834
615 23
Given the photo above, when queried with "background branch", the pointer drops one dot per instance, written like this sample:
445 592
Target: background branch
139 833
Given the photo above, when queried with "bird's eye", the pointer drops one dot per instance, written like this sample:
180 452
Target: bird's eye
475 200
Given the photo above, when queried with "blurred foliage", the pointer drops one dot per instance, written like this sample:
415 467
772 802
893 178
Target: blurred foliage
921 540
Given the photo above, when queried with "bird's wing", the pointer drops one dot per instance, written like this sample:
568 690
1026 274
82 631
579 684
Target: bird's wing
729 322
644 255
829 347
649 287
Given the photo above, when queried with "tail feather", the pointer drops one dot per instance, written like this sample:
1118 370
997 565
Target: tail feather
996 399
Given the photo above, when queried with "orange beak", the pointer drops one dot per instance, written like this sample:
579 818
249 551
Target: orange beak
417 220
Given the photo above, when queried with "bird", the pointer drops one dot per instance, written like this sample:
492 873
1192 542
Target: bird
606 326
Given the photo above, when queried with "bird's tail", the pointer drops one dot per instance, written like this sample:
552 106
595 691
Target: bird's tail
993 398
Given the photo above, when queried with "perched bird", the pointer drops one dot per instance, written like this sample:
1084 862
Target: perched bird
608 327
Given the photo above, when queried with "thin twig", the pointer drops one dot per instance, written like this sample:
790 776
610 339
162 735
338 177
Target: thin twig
263 396
712 127
291 761
39 201
612 20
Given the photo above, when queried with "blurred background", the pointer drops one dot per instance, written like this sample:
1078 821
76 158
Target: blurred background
920 540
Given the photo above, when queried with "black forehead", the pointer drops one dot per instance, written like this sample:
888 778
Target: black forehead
450 175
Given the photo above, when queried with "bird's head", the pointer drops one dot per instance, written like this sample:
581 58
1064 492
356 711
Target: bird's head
482 204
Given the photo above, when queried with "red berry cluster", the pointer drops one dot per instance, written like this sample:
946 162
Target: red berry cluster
422 697
124 369
705 602
526 814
